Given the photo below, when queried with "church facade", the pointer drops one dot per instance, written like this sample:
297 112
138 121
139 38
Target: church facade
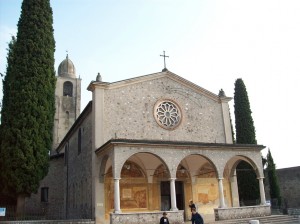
146 145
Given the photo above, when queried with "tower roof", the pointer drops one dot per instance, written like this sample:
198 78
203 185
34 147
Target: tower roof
66 68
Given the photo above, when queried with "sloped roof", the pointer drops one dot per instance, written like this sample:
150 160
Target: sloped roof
149 77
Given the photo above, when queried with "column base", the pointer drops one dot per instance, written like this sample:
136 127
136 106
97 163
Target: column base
118 212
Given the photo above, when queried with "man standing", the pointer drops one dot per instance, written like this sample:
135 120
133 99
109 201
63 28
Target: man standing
196 217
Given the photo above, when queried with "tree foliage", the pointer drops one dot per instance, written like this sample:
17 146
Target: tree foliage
244 126
245 134
273 181
247 183
28 101
6 198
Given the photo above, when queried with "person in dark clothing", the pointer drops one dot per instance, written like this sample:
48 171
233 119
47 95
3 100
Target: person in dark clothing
164 219
192 205
196 217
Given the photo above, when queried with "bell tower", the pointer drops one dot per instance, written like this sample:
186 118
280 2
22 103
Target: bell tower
67 101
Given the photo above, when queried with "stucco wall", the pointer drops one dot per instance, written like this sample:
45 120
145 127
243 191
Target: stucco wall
131 110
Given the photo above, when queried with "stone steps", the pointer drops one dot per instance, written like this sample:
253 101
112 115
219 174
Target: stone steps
282 219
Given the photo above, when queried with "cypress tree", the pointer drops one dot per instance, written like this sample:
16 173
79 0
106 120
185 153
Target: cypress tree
244 126
273 181
245 134
6 198
29 103
247 183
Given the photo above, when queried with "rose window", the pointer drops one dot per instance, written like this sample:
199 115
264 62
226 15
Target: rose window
167 114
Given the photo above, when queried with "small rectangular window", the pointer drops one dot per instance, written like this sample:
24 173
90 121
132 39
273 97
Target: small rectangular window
79 140
66 154
44 194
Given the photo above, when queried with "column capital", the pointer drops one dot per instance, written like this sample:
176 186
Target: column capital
220 178
172 178
260 178
117 178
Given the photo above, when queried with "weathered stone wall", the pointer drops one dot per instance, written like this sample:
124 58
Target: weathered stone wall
289 182
67 108
145 218
84 221
242 212
131 110
79 173
54 208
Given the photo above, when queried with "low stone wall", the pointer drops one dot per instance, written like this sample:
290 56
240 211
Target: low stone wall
77 221
145 217
293 211
242 212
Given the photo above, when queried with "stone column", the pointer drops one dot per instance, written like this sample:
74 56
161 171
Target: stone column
173 195
221 193
234 191
117 195
262 191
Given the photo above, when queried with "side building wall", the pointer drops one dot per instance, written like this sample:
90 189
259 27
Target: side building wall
53 183
78 170
289 182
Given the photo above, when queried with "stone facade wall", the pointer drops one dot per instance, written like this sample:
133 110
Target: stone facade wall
131 110
54 208
145 218
78 173
289 182
242 212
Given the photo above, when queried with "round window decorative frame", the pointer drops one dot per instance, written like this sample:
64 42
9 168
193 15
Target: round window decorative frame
167 114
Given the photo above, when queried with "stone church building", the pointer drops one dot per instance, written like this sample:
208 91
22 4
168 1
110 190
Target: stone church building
142 146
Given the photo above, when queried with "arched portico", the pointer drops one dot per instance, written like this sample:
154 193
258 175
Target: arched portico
169 171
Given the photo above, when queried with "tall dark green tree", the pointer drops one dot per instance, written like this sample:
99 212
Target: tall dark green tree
244 125
248 185
29 102
245 134
6 198
273 180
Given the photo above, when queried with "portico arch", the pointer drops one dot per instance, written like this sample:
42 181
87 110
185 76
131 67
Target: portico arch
200 180
139 188
241 166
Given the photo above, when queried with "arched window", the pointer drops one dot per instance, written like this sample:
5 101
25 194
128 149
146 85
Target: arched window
68 89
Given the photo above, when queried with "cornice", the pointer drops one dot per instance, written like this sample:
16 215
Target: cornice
175 144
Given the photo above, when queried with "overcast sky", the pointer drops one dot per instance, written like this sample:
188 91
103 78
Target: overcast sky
211 43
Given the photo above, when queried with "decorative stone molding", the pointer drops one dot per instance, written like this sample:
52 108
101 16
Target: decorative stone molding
167 114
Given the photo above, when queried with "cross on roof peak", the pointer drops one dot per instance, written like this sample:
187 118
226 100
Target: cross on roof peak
164 55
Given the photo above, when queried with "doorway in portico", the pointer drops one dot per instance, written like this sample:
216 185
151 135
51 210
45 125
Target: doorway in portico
166 195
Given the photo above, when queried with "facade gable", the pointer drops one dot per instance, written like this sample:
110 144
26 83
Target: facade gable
129 109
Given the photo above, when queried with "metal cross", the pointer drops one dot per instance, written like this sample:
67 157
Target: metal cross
164 55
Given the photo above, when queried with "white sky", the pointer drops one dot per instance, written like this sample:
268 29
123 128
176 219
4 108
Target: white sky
211 43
